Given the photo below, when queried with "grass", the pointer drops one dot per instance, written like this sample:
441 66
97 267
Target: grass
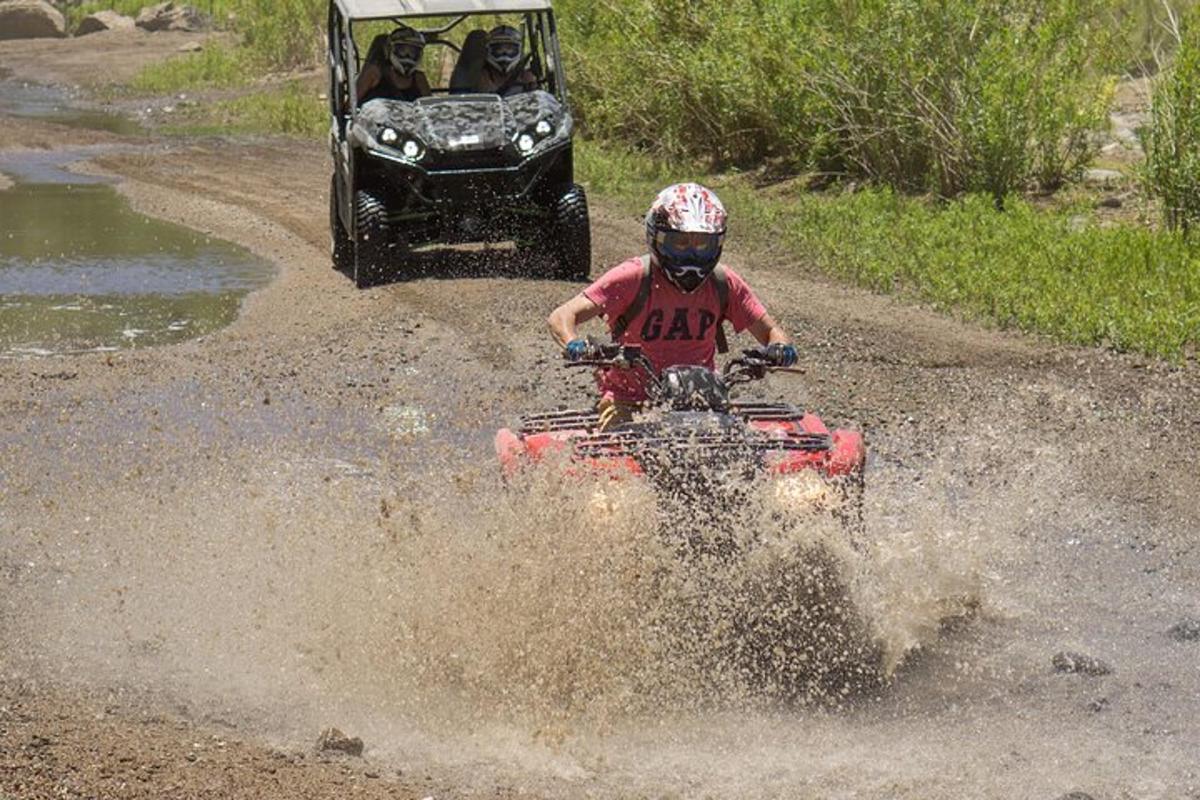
291 109
215 66
1125 287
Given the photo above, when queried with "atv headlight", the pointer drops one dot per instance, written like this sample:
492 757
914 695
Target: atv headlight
389 136
543 128
411 149
525 143
805 491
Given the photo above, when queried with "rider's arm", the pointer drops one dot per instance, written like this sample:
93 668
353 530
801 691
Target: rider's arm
368 79
767 331
565 320
422 84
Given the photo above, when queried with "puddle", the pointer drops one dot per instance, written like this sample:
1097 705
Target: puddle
59 105
80 271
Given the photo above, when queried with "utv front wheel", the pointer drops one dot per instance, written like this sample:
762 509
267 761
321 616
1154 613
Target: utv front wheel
572 242
371 237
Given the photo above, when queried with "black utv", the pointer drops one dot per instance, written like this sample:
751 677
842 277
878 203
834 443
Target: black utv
470 160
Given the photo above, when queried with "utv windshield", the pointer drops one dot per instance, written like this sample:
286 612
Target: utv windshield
480 53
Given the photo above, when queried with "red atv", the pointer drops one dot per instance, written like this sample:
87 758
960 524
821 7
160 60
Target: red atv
696 444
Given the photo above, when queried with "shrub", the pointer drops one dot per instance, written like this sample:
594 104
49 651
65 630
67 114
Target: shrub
969 95
1172 168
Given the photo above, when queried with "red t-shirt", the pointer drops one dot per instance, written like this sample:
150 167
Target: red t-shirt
675 328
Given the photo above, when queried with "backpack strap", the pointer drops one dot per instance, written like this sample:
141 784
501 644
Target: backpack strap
721 281
635 308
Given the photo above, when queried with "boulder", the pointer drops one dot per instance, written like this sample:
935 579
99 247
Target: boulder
31 19
333 740
103 21
171 17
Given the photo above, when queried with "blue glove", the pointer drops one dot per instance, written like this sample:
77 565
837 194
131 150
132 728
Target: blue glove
577 350
782 355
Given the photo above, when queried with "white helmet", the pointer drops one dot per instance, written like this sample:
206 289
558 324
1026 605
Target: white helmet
685 229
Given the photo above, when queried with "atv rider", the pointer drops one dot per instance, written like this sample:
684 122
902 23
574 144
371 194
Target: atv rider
505 73
397 78
672 302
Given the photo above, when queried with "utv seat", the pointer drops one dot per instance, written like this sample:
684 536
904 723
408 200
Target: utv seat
469 67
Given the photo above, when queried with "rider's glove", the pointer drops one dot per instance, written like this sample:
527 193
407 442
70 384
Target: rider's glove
782 355
577 350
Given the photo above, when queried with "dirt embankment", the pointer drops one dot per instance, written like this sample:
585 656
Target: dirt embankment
194 534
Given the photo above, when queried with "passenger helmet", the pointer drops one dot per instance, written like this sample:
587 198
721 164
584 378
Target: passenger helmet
505 45
404 48
685 229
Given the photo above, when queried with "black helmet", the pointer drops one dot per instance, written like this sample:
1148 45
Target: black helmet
505 47
404 48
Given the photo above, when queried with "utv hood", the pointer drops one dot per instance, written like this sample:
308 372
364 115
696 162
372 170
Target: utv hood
468 123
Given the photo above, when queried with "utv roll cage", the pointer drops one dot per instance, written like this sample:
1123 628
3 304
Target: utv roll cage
459 166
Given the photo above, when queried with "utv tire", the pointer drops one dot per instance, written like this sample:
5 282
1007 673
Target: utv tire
571 247
371 240
342 245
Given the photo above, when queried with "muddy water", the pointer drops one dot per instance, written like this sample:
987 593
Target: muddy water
80 271
56 104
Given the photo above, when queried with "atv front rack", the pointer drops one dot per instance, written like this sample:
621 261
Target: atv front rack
621 443
589 419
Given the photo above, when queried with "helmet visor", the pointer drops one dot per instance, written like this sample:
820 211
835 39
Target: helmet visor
505 52
406 52
685 247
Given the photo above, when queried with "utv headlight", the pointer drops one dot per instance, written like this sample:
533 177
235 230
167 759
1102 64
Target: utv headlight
389 136
525 143
543 128
411 150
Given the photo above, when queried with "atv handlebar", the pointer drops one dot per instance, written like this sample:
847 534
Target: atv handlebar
752 366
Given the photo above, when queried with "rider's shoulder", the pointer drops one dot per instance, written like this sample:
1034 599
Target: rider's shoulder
630 269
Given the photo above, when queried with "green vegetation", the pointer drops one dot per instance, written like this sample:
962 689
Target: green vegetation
214 66
291 110
970 95
1050 272
1172 169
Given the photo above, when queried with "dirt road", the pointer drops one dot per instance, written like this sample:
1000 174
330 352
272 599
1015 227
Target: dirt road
211 551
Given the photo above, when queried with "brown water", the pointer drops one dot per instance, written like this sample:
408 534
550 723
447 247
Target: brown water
80 271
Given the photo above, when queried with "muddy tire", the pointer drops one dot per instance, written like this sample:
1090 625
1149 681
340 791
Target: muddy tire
371 240
571 246
341 245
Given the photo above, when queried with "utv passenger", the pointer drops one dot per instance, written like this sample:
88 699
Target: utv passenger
397 76
505 72
671 302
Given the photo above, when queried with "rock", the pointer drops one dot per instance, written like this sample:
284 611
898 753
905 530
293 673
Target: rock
191 47
1080 664
31 19
1076 796
333 740
1111 201
1102 177
171 17
1187 630
103 21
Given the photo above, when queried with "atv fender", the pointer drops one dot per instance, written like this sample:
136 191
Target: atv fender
511 451
848 453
